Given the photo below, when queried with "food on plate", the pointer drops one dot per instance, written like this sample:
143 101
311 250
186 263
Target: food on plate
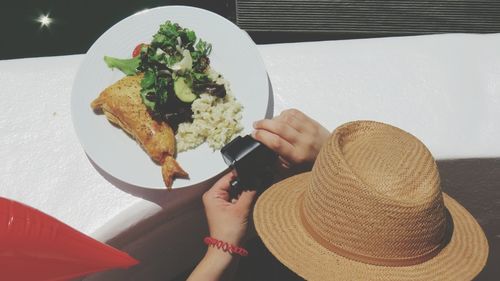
122 105
215 121
177 72
171 85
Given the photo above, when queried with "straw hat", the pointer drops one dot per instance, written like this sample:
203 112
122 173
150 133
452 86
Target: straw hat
370 209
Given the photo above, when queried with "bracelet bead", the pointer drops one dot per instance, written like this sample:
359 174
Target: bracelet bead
226 247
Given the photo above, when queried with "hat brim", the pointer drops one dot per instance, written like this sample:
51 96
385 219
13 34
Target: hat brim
278 223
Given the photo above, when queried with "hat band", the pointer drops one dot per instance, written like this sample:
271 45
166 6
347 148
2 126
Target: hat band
378 260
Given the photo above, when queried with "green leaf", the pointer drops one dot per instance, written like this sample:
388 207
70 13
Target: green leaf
159 38
148 80
148 103
200 46
208 49
172 60
191 36
127 66
169 29
203 47
199 76
157 83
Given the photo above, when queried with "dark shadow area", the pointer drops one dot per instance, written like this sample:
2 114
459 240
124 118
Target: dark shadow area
260 37
474 183
76 24
260 265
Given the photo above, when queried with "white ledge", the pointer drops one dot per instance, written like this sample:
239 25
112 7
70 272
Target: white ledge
444 89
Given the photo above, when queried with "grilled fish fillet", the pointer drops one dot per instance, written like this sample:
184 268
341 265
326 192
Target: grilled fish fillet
123 106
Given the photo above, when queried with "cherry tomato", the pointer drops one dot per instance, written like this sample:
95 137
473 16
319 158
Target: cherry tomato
137 50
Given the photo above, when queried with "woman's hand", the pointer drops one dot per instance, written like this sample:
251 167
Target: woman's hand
227 219
294 136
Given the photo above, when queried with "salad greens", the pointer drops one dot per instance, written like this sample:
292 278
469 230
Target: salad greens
127 66
175 66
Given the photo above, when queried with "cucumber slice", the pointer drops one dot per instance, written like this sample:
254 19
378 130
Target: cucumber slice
182 90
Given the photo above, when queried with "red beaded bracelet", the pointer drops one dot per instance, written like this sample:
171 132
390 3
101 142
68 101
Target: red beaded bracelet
224 246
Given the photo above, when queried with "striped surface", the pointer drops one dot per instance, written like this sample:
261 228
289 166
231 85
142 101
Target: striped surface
369 16
365 217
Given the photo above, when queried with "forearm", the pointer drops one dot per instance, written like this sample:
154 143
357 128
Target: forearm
216 265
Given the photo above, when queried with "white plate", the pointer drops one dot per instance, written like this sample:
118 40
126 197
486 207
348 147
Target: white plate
234 55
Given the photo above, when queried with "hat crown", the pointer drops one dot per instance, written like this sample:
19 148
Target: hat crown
375 196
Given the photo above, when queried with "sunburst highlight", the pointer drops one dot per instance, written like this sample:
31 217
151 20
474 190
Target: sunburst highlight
45 20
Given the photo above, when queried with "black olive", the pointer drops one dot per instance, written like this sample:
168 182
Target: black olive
216 90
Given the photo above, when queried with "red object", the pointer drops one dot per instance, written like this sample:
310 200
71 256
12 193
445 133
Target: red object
137 50
36 247
226 247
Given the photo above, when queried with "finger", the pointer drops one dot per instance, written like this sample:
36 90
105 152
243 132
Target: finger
220 188
245 200
284 163
224 182
295 118
278 127
274 142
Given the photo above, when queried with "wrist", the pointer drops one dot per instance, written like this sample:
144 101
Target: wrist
235 239
215 253
225 247
218 258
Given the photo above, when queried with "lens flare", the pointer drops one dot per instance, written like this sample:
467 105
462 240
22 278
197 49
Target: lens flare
44 20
